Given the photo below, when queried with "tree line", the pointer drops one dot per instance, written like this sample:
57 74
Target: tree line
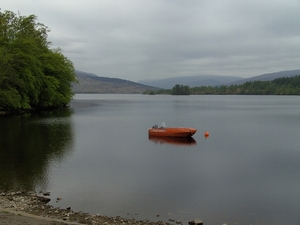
279 86
32 75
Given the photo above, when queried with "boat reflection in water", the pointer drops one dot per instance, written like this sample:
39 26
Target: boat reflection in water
173 140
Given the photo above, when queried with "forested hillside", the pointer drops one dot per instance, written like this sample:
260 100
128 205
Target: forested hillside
32 76
280 86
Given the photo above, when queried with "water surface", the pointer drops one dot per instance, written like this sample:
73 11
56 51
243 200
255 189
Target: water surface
96 156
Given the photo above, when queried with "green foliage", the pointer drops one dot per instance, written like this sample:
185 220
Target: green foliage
9 99
32 75
181 90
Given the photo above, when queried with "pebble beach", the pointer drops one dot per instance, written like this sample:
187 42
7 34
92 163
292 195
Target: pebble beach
31 208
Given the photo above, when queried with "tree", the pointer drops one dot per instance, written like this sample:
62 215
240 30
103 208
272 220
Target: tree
181 90
32 76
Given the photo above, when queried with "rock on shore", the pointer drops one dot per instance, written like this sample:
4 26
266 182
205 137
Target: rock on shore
31 203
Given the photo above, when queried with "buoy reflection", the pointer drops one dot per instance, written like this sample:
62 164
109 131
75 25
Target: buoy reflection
173 140
206 134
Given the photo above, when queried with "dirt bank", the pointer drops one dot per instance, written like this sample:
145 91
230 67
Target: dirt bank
29 208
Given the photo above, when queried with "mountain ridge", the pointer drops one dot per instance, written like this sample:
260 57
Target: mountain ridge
92 83
192 81
215 80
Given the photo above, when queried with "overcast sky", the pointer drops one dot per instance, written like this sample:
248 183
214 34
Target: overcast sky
154 39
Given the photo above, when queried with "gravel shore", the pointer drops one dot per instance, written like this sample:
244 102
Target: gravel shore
30 208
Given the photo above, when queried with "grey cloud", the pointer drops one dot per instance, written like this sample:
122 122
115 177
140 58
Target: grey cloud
157 39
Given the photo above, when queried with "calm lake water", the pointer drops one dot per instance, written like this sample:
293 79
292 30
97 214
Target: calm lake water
96 156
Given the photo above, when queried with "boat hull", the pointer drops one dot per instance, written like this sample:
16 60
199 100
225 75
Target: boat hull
172 132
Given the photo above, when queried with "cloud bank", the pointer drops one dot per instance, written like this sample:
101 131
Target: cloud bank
143 39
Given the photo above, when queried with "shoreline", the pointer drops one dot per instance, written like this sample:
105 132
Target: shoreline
30 208
13 217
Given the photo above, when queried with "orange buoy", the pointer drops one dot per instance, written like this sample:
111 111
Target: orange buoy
206 134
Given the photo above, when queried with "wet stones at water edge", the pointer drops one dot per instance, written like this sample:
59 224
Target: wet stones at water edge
46 193
32 203
196 222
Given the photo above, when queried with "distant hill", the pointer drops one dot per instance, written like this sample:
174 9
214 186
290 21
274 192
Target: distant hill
192 81
267 77
215 80
91 83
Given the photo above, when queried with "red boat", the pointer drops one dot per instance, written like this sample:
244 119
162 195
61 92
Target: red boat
164 131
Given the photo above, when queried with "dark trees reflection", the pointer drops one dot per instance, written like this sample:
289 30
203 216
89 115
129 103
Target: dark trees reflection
29 143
